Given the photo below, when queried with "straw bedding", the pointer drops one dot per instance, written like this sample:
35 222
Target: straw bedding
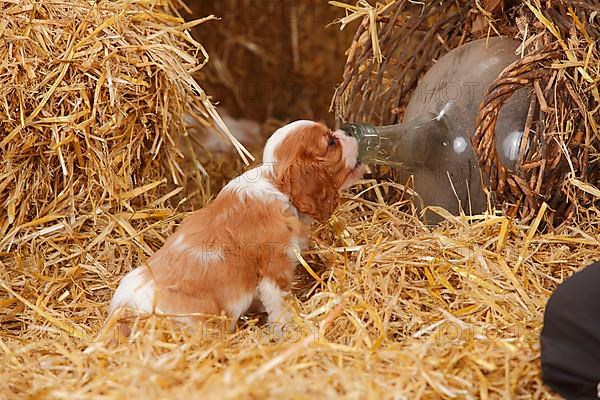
399 310
384 306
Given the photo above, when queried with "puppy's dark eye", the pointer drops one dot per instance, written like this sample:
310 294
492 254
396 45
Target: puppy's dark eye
332 141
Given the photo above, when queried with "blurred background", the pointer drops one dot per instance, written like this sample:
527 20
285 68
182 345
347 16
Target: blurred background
270 62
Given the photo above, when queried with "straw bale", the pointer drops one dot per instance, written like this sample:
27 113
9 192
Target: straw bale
92 102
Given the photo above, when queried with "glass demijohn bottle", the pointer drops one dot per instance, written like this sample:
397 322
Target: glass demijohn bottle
434 145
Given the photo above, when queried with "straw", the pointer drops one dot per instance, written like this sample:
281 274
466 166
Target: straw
383 306
412 314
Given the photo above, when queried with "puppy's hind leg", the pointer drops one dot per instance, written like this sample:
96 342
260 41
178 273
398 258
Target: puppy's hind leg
238 308
271 297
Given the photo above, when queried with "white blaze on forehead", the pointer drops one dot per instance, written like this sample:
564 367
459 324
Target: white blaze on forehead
349 148
280 135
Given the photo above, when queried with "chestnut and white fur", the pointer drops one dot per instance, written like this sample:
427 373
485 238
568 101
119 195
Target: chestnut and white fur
240 250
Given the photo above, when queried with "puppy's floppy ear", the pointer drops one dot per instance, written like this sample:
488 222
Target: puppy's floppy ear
310 187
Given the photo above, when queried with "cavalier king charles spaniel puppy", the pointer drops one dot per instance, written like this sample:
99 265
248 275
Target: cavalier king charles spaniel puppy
239 251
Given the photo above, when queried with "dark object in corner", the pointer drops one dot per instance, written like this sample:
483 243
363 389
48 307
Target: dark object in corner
570 337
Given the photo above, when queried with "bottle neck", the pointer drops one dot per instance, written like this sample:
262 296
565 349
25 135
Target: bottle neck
413 142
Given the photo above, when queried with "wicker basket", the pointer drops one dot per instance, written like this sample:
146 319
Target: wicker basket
559 64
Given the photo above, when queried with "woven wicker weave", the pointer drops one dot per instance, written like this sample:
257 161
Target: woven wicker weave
560 64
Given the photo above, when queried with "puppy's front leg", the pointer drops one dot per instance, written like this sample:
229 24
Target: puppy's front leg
271 297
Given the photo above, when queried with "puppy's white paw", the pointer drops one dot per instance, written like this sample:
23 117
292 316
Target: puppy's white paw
281 327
